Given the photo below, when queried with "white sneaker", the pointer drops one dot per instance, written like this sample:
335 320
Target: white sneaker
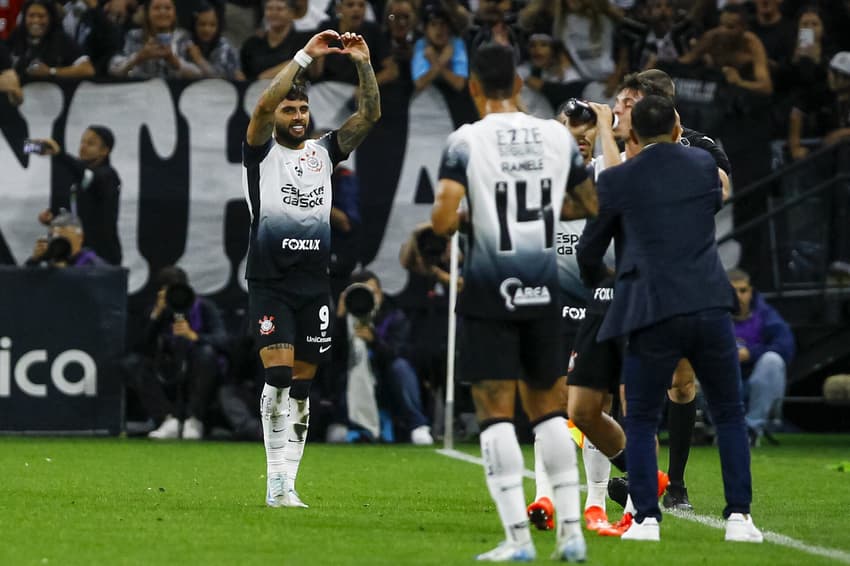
509 552
647 530
740 528
193 429
291 499
571 549
278 495
421 436
170 428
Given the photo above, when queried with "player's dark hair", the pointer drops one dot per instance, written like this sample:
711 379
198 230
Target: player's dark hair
653 116
659 82
297 92
493 66
634 81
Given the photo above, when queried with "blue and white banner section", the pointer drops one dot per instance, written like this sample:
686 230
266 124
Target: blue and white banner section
61 333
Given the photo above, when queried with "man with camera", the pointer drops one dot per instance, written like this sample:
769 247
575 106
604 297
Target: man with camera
63 247
372 339
178 365
96 191
287 184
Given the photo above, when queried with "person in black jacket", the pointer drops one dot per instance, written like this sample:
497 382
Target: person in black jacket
96 192
181 354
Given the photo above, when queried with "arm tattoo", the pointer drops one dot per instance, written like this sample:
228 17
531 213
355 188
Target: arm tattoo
355 129
282 83
279 346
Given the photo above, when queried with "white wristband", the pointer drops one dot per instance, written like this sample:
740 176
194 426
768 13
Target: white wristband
302 59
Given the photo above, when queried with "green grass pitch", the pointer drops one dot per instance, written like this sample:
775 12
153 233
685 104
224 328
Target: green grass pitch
99 501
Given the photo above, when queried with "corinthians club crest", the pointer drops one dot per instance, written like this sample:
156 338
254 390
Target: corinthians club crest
267 325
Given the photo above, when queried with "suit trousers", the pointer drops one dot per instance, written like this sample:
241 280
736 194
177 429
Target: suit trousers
707 339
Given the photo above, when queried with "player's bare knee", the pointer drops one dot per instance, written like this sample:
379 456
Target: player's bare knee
682 392
494 399
280 354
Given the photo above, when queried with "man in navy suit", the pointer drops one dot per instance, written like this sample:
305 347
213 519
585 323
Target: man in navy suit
672 300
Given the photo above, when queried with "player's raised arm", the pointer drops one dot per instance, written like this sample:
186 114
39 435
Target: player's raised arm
355 129
261 126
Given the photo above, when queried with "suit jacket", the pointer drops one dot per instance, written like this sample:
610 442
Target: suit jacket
659 208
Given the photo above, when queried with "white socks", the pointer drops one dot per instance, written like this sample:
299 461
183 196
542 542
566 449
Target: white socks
541 479
272 407
597 468
559 457
503 467
297 422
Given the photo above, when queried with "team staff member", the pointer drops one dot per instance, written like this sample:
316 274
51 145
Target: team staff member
97 190
287 183
681 414
502 164
672 300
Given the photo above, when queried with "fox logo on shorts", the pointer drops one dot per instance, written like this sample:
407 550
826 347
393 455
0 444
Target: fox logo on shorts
572 363
266 325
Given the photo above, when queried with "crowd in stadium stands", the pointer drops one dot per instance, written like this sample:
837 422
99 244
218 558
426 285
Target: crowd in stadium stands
784 63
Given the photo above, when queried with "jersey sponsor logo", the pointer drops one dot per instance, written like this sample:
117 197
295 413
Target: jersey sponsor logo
292 196
517 294
566 243
572 365
318 339
573 313
603 294
323 349
300 245
267 325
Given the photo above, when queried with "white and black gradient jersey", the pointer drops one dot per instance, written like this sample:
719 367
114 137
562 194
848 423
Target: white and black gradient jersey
569 231
515 168
289 197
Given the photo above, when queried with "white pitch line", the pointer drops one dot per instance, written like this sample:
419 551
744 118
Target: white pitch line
713 522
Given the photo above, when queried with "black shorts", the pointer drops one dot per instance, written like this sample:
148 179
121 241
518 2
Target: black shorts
571 319
596 365
280 316
511 349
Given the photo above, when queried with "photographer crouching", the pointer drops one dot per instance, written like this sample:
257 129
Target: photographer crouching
179 364
371 345
63 246
96 188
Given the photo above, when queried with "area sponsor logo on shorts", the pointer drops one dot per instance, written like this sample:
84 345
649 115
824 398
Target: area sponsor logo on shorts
267 325
300 245
517 294
573 313
605 294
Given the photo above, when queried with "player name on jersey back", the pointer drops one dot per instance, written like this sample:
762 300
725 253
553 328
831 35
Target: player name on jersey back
515 168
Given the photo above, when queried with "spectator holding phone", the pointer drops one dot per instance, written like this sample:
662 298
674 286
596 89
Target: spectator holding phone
41 50
158 49
209 50
96 190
